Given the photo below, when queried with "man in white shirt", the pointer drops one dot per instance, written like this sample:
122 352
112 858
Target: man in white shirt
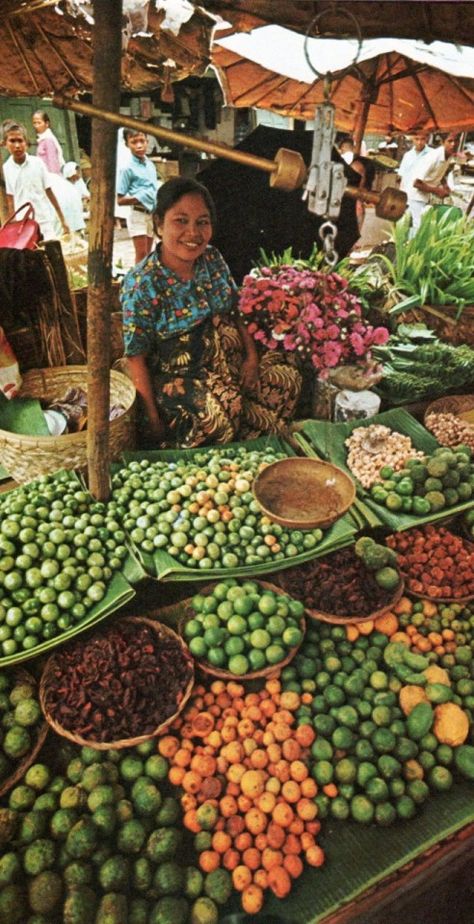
438 179
413 167
27 180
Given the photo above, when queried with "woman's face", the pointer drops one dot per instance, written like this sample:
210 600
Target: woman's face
39 123
185 232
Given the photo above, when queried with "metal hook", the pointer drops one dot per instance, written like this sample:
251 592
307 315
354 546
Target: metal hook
328 77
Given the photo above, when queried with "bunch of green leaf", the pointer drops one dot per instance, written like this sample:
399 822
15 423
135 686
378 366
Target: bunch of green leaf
434 267
417 365
369 281
315 261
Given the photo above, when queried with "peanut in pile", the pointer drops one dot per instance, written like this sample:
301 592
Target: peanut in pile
450 430
370 448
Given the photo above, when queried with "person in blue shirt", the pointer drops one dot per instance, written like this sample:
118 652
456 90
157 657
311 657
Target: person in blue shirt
137 186
196 368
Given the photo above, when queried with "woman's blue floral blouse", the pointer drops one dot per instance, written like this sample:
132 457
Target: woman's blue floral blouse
157 305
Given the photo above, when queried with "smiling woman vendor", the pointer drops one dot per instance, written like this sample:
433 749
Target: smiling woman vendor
195 367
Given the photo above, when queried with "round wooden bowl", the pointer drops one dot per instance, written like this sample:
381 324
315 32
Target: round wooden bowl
221 674
41 731
161 631
349 620
303 493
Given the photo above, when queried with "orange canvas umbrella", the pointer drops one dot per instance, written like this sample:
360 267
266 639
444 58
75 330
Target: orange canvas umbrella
395 84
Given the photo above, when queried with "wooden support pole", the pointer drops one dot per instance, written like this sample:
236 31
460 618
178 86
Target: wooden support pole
105 93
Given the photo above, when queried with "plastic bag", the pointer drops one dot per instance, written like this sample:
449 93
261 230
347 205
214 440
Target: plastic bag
10 378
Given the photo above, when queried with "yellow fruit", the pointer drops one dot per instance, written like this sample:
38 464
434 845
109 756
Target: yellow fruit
410 696
435 674
451 724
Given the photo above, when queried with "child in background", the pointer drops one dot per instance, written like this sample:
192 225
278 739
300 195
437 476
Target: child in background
27 180
48 148
137 186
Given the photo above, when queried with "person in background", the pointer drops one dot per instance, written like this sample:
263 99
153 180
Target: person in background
72 172
137 186
196 368
413 168
48 148
346 150
438 178
27 180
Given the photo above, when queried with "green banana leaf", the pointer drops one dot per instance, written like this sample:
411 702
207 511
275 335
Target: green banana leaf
328 440
119 592
166 568
22 415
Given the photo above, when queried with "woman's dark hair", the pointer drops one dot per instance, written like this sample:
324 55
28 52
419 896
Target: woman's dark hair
173 190
43 115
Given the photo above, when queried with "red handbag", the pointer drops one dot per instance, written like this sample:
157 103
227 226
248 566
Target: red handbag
23 234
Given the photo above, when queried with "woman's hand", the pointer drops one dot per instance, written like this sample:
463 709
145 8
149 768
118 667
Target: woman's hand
157 429
249 373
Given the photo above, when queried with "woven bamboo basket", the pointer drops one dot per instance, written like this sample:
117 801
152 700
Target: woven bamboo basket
39 732
162 631
451 404
349 619
270 670
28 457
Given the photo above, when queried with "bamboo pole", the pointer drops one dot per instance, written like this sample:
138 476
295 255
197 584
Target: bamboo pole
106 92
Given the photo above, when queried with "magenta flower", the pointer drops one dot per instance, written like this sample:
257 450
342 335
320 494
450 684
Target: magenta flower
312 313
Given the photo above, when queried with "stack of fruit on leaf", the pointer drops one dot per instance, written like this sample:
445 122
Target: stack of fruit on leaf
435 562
241 764
202 511
391 726
102 841
243 628
445 478
21 721
58 552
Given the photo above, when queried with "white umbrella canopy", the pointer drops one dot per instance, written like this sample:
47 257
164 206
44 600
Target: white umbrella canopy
394 84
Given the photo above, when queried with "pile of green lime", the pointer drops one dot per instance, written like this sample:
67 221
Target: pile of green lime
201 510
58 551
378 764
20 719
442 480
243 627
102 841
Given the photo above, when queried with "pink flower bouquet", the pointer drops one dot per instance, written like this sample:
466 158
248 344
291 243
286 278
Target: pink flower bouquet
310 313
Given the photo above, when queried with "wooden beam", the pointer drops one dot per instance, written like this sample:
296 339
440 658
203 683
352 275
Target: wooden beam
106 93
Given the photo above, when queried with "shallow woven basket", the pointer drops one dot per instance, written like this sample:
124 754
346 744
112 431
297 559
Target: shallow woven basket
269 671
161 631
27 457
40 733
451 404
321 616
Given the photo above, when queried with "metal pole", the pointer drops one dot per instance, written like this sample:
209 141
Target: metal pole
105 93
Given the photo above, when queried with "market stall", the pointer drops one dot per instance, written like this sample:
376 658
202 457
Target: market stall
231 726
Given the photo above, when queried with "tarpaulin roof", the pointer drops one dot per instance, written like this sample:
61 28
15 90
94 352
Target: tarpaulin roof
404 83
